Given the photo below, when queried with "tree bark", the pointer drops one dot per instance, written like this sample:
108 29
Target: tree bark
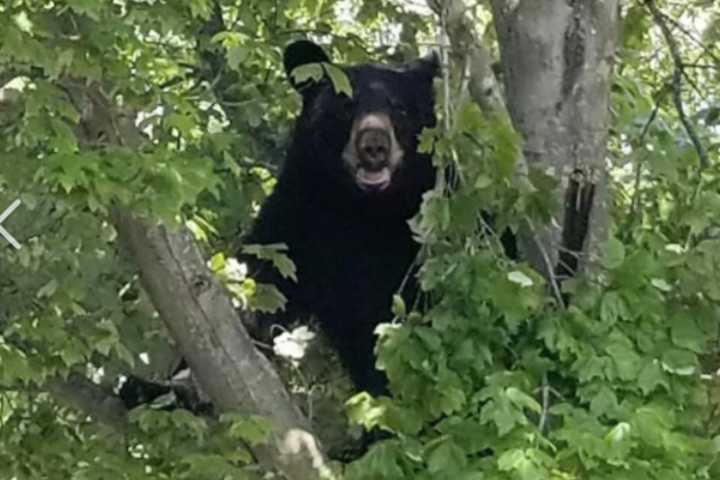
199 315
203 322
557 60
469 53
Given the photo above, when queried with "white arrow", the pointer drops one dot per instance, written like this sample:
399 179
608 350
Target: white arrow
4 233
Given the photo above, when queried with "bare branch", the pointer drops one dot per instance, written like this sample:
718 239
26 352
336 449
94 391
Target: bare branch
94 400
468 50
661 21
637 196
691 36
545 390
548 265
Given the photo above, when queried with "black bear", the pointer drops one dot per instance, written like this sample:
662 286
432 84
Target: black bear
351 181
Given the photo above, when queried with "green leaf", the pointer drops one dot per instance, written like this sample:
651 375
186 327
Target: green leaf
613 308
266 298
503 415
451 400
483 181
430 338
520 278
90 8
275 253
404 420
661 284
184 123
252 429
200 8
446 459
381 462
591 368
73 352
679 362
362 409
627 361
217 262
308 72
469 117
619 433
604 402
613 253
523 400
236 55
506 142
686 333
339 79
205 466
48 290
521 463
14 366
651 377
398 306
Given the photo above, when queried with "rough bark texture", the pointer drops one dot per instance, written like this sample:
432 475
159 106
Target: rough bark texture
202 320
199 315
470 55
557 60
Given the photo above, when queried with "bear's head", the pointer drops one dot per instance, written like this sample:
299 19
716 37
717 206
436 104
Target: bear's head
365 143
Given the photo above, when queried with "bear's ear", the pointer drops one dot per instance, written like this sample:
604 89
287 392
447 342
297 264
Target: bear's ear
428 66
299 53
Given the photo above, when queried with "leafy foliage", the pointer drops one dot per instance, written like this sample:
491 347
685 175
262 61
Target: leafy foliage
496 380
491 378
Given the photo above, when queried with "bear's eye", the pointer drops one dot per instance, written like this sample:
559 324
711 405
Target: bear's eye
398 107
347 105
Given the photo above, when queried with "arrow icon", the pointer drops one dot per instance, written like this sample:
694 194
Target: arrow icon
4 233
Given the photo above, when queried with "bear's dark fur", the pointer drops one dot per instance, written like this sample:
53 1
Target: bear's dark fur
351 180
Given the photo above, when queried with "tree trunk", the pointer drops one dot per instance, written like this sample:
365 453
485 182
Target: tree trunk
200 317
557 58
202 320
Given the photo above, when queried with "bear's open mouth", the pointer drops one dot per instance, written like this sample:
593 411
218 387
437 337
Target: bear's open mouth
373 179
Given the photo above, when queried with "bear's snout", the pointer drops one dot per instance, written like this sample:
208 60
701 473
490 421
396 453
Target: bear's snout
373 153
373 146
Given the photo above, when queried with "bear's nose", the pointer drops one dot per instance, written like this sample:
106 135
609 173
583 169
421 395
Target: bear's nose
373 145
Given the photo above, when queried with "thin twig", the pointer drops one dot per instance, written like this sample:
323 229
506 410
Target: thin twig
551 276
444 57
490 232
690 35
545 403
635 203
661 21
702 66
